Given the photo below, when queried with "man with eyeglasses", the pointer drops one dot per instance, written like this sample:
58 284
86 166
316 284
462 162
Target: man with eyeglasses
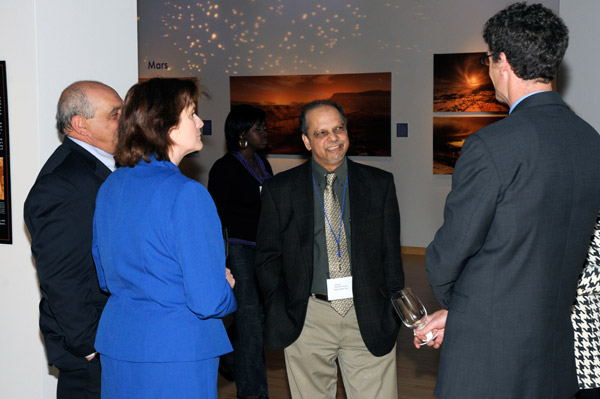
327 260
525 195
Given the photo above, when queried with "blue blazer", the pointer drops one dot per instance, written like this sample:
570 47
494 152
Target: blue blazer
159 252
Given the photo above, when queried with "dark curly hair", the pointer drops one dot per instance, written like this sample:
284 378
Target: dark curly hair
240 119
316 104
150 110
533 38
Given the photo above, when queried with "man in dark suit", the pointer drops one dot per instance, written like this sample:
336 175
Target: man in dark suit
517 223
310 252
59 212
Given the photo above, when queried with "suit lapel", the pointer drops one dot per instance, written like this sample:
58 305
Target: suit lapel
302 202
101 170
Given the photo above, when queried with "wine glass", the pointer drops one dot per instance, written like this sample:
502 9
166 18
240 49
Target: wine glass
411 311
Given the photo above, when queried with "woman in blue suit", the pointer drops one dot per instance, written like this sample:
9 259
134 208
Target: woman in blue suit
159 252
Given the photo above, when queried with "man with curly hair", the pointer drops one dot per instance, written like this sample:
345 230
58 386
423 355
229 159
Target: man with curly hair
525 195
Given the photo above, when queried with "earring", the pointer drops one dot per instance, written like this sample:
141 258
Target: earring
243 143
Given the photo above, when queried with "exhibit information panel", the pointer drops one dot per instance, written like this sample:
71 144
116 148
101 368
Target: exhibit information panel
5 200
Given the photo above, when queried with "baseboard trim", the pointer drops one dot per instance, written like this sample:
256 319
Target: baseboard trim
413 251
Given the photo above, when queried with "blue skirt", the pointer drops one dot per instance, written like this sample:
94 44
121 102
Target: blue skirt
131 380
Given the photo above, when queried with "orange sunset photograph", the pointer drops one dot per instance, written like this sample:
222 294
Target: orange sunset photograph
462 84
364 97
449 135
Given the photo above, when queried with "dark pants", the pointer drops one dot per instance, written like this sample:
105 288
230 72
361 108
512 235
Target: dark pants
77 377
245 332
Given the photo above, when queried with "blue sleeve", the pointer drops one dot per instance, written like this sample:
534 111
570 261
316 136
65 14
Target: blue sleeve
200 252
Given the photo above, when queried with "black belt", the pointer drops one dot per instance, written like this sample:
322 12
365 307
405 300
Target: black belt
320 296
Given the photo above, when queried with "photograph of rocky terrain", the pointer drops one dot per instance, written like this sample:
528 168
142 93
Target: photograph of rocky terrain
365 98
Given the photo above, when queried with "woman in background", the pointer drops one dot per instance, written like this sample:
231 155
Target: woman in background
586 322
235 182
159 253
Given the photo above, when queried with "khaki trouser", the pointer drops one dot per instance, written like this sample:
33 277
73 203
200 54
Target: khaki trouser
327 336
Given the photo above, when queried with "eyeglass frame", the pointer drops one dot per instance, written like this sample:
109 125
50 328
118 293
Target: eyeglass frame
485 59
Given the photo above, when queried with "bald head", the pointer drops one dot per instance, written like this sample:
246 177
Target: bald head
74 101
89 111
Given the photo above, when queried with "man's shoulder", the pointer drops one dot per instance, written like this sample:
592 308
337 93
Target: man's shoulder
67 170
371 171
66 177
68 161
533 112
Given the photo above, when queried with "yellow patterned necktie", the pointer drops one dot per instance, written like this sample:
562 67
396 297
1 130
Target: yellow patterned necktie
337 249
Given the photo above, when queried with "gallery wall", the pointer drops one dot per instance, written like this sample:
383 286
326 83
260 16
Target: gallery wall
46 46
315 37
579 75
21 372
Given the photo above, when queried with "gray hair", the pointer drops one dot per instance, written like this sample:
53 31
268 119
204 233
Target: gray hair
74 101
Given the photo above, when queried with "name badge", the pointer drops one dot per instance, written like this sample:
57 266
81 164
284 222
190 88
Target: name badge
339 288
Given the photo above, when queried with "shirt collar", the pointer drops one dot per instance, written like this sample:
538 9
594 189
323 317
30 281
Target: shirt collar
103 156
523 98
320 172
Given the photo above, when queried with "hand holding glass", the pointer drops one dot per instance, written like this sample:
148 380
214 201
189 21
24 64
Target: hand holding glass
411 311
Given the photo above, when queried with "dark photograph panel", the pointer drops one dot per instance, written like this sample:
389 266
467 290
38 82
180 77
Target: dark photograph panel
449 135
1 179
5 197
365 98
462 84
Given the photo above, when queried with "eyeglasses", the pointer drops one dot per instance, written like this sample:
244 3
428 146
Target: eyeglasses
485 60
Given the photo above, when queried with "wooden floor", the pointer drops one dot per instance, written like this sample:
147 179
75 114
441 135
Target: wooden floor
417 369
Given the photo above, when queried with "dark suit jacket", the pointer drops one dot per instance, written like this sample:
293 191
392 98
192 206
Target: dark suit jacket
517 223
285 254
58 213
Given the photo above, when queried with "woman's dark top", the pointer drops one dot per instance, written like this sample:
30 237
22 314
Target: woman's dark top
237 196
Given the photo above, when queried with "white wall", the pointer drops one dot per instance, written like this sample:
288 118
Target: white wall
397 36
579 77
47 45
22 370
